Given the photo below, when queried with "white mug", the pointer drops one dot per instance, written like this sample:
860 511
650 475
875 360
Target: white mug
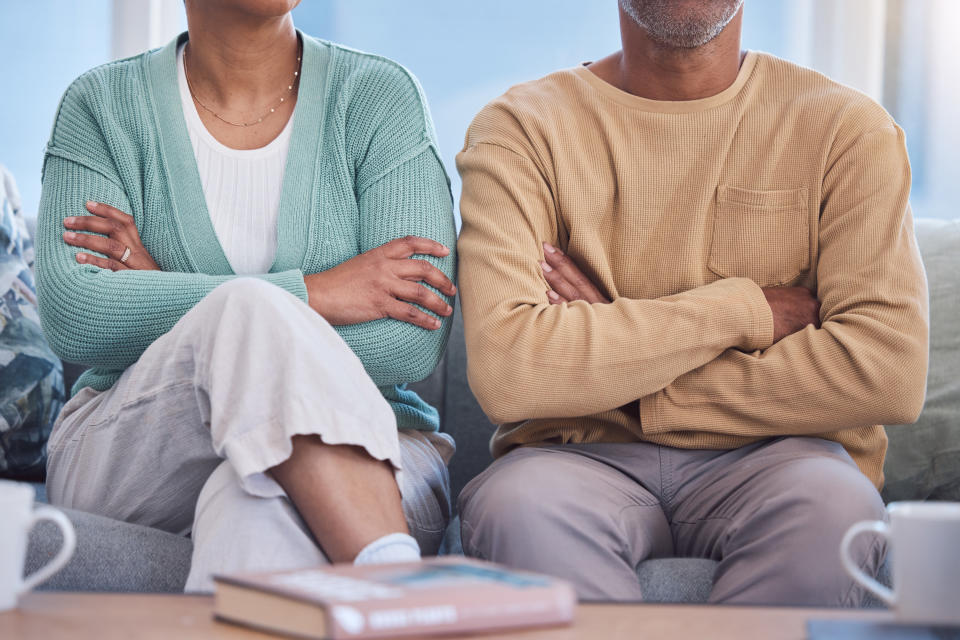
924 542
17 517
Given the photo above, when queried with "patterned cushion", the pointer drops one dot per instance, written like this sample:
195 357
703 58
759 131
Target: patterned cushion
31 376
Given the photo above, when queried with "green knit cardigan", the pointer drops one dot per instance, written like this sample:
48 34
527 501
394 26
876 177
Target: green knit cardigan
363 169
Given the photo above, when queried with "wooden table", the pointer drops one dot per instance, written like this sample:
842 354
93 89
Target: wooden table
49 616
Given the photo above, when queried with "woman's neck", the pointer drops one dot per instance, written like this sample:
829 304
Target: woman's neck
239 63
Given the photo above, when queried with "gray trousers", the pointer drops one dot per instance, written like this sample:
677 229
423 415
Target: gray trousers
185 439
772 513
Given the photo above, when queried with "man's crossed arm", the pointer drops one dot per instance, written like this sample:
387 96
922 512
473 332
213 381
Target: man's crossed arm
793 308
726 357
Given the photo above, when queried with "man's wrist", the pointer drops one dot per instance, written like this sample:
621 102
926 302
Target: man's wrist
761 336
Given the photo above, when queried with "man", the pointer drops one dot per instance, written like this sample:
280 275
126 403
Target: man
691 293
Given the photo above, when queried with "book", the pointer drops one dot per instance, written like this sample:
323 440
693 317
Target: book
436 596
871 630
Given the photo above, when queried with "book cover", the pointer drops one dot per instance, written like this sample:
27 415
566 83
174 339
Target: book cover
436 596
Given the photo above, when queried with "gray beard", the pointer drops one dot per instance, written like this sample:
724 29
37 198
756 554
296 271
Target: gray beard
687 32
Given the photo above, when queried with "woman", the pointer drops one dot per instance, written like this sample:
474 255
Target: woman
229 407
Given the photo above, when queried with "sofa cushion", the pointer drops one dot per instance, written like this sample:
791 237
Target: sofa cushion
112 556
462 416
923 460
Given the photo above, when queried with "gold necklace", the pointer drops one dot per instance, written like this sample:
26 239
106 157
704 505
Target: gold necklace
290 88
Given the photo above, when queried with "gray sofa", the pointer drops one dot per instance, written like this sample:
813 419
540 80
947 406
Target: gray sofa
923 462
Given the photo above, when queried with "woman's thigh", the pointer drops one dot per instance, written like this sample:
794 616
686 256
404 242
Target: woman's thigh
138 452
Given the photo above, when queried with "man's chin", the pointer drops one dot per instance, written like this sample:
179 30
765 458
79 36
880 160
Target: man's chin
682 24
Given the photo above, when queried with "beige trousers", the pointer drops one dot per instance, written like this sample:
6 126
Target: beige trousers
183 440
772 513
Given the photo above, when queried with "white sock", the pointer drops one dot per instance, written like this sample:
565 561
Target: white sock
393 547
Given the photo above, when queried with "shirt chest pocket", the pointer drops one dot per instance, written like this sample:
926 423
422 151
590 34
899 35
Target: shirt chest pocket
761 235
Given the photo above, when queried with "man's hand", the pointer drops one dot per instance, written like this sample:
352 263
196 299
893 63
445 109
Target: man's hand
567 282
793 309
380 283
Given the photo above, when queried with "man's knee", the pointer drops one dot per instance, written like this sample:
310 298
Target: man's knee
518 496
532 496
786 549
830 494
820 498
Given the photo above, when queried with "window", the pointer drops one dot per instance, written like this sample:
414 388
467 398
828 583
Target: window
922 91
44 45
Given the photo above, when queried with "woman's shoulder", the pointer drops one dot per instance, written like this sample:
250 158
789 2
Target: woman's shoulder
108 82
106 101
101 93
376 82
355 64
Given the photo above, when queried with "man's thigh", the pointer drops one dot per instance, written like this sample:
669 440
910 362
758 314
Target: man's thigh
568 512
773 514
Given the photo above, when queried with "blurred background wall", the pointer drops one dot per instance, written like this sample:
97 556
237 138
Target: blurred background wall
901 52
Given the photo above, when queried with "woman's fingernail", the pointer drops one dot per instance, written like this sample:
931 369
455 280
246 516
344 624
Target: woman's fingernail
552 295
449 309
69 221
69 235
91 205
81 257
547 268
549 248
436 323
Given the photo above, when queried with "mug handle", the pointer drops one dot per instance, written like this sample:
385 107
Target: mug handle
66 550
876 526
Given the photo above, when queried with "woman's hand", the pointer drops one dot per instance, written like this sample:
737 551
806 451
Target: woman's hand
381 283
121 236
567 281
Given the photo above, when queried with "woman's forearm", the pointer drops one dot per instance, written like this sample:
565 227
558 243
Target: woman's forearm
98 317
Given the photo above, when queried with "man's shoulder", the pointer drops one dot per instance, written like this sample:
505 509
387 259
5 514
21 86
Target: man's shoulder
845 109
525 110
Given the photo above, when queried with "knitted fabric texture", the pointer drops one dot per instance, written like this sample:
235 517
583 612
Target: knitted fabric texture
681 212
363 169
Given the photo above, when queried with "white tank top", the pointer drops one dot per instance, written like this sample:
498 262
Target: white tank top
242 188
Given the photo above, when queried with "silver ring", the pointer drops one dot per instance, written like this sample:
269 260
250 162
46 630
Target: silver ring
126 254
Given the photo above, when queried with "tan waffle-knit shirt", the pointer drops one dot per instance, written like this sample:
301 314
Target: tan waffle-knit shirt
680 212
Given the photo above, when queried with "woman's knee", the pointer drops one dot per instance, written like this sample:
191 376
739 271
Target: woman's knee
254 309
251 295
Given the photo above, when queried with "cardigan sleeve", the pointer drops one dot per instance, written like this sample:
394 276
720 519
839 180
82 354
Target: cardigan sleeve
412 199
98 317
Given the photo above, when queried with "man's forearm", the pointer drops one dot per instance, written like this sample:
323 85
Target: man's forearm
542 361
855 371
